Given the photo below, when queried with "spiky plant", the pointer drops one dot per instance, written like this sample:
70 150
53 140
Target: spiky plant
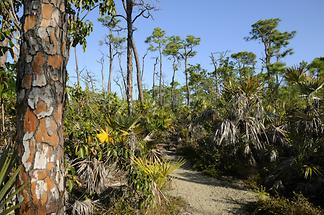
157 172
85 207
8 175
243 126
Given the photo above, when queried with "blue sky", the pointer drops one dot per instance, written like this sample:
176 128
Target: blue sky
221 25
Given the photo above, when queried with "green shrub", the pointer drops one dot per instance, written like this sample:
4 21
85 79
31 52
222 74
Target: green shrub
299 205
8 175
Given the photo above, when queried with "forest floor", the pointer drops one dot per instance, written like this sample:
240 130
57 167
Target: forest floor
205 195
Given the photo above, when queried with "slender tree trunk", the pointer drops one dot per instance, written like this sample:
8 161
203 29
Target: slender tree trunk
143 65
41 81
129 91
187 82
161 79
138 73
214 62
154 72
122 73
102 61
77 67
111 59
120 86
173 101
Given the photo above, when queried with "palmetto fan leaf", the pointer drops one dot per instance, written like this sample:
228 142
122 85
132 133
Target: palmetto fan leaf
98 175
86 207
8 174
243 123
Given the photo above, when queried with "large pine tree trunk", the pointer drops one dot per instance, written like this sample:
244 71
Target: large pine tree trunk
40 99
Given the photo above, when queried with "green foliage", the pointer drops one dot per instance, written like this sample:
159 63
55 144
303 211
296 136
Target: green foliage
245 62
266 32
79 27
238 121
298 206
8 175
105 147
151 177
7 102
157 40
5 34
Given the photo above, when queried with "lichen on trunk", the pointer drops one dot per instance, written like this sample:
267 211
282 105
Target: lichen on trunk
41 80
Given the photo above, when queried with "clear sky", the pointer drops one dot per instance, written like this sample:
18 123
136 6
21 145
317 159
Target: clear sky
221 25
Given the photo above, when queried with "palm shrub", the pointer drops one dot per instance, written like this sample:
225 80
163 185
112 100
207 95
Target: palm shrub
241 132
102 144
8 175
301 164
298 205
153 178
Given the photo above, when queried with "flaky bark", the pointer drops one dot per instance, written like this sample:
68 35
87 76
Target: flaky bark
41 80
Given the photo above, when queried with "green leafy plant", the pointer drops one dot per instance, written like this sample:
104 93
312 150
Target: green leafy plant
299 205
8 175
156 174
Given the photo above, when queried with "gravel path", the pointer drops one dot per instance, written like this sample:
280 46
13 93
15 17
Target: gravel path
207 196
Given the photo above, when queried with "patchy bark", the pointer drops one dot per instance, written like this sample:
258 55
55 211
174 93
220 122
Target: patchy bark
41 80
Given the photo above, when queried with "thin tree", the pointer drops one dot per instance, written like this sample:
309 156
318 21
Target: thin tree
77 71
114 43
186 53
143 64
154 74
275 48
101 61
138 74
171 50
157 43
141 9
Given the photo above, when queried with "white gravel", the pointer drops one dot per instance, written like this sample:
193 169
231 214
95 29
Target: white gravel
207 196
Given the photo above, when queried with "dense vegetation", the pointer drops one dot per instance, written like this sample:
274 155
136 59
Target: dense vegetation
264 125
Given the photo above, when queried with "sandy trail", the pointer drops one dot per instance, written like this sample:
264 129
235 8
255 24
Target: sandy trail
205 195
